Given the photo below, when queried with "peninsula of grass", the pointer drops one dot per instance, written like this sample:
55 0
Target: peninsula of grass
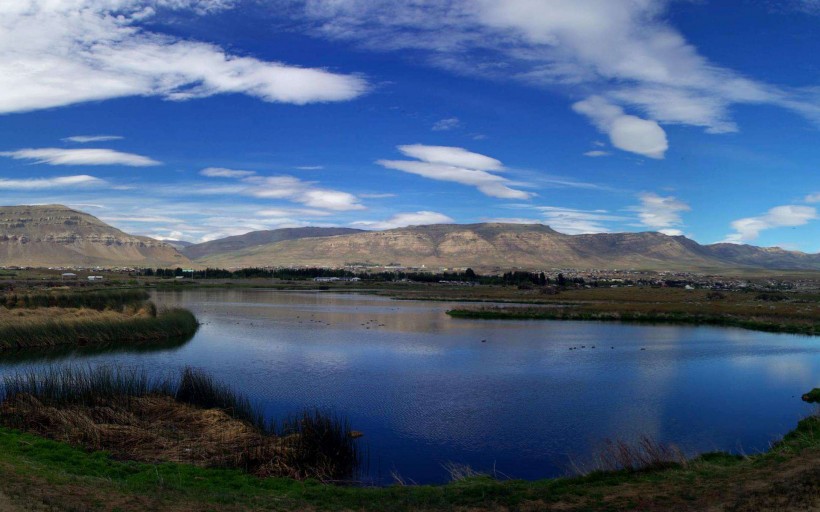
46 474
44 319
796 315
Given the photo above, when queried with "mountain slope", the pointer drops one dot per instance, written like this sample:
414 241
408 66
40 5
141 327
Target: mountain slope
491 245
255 238
55 235
764 257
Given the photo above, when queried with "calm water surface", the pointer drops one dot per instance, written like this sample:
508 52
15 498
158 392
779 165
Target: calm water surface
426 390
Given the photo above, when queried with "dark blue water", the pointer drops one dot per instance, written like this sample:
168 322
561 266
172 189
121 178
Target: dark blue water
426 390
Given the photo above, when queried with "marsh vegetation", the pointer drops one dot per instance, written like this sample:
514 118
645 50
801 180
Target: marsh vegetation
46 319
183 418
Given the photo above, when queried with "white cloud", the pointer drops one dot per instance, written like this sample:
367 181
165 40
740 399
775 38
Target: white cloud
456 165
310 167
577 222
221 172
292 212
449 123
749 228
626 132
283 187
813 198
56 53
622 50
660 213
448 155
596 153
57 156
406 219
84 139
81 180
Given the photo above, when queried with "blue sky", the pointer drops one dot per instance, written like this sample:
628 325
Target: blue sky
201 119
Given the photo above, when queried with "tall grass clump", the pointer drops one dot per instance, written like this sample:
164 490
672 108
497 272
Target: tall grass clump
67 385
645 454
320 444
188 417
198 388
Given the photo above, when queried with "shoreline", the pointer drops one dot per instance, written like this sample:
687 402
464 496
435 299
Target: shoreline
785 477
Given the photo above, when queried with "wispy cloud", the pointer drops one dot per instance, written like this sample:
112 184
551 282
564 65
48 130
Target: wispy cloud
446 124
58 156
81 180
221 172
662 214
454 164
406 219
310 167
285 187
577 222
813 198
384 195
749 228
84 139
596 153
47 59
622 51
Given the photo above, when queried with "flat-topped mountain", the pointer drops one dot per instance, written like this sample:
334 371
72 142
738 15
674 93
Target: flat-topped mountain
55 235
499 245
255 238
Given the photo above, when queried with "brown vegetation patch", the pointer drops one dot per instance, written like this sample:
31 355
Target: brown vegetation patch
155 429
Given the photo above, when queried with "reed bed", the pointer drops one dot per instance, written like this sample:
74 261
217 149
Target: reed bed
98 299
76 327
186 418
753 320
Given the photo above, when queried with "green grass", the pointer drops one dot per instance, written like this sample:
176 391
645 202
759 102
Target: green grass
29 457
173 323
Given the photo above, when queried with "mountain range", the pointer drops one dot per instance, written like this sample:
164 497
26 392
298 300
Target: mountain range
54 235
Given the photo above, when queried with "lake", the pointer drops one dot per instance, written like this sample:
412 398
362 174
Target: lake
508 397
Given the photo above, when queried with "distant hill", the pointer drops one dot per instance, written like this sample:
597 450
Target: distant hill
764 257
256 238
178 244
506 246
55 235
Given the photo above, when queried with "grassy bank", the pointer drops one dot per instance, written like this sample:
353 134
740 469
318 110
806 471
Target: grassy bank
40 472
757 323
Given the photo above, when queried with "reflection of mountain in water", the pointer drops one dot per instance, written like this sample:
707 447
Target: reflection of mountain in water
42 355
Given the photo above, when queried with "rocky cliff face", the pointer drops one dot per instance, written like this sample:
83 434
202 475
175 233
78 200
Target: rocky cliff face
54 235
